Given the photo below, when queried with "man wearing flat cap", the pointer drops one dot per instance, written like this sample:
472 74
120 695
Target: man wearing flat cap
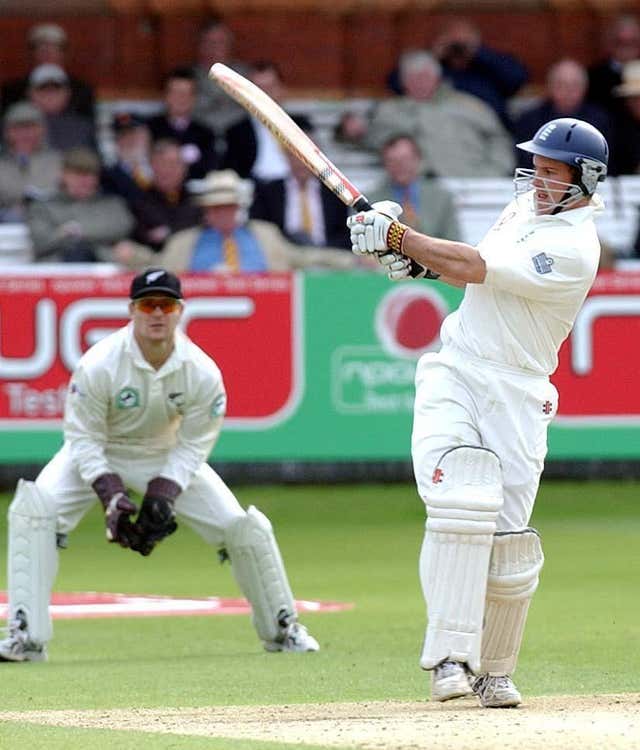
47 44
28 167
79 223
227 241
49 90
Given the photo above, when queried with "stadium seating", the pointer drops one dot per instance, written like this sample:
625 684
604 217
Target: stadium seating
478 200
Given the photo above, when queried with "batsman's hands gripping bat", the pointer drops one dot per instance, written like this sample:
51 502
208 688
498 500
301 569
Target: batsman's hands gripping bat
156 519
294 139
118 510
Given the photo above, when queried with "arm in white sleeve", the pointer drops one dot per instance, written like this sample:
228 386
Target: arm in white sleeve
198 432
540 273
85 420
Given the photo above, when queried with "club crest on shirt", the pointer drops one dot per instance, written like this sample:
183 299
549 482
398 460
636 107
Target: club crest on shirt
127 398
542 263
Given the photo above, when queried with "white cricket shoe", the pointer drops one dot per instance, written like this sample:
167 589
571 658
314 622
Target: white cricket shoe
496 691
17 646
295 637
450 679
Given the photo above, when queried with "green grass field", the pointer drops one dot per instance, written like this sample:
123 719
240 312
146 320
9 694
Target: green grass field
354 543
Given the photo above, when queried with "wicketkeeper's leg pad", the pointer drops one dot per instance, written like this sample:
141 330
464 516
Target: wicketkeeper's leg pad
454 562
259 570
516 561
33 558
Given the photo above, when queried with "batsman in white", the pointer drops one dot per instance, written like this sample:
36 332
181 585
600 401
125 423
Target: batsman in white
484 401
144 408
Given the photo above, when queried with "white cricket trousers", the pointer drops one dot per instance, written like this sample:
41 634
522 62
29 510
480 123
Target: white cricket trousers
207 505
461 400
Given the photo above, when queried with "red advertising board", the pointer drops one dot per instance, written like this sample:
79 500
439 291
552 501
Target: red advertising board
600 362
248 324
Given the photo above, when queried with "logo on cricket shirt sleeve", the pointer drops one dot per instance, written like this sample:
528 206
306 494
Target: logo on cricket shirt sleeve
542 263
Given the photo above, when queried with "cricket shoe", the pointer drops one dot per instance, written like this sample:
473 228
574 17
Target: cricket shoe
496 691
294 637
450 679
17 646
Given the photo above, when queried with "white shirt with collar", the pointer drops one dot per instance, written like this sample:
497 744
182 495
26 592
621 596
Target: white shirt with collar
539 271
119 406
270 163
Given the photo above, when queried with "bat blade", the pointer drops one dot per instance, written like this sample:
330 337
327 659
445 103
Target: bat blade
290 135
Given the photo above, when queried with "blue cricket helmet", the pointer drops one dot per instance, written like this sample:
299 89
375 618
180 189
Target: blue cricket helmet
576 143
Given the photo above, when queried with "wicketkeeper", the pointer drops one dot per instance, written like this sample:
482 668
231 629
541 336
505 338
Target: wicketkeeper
484 402
144 409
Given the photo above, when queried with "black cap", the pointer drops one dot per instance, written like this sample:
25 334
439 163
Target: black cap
156 281
126 121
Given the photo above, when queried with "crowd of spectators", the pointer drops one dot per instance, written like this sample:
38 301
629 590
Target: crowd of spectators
202 185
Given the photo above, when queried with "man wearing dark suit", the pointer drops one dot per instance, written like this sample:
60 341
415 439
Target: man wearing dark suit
176 123
306 211
250 148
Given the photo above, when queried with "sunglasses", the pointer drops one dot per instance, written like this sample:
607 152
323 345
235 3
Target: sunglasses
149 304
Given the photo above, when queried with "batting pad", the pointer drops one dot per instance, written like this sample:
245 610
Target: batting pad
33 558
454 560
258 568
516 561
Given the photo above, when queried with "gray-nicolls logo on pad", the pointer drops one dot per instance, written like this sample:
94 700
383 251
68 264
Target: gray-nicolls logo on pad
542 263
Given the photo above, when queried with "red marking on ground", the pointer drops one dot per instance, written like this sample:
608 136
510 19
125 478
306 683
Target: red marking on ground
67 606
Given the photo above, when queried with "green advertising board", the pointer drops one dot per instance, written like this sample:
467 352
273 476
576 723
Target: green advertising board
320 366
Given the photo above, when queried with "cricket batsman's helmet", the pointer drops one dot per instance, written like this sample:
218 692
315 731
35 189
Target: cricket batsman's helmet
576 143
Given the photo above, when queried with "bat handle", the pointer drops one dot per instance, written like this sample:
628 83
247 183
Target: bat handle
361 204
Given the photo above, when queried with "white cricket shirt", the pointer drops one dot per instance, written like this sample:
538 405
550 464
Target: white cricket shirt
539 270
119 405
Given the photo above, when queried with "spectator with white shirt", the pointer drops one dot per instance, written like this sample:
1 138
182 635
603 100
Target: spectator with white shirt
306 211
251 149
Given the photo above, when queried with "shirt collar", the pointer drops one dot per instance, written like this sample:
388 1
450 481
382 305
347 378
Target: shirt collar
573 216
177 357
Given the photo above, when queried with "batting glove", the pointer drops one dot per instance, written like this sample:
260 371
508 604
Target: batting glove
400 267
369 230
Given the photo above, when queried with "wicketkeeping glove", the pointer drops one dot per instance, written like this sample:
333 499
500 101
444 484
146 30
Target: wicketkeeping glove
156 519
118 510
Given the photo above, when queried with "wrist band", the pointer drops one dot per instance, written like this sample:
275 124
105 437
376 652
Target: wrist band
395 235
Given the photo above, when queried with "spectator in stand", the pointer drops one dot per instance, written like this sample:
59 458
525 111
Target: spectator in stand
49 91
426 205
625 149
165 206
473 67
228 241
131 172
621 45
251 148
306 211
176 123
48 45
28 167
567 84
214 107
78 224
458 134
